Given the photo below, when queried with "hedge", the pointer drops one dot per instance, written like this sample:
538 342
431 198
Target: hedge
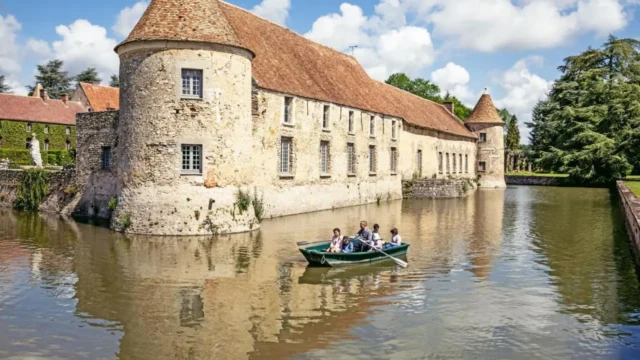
14 135
23 157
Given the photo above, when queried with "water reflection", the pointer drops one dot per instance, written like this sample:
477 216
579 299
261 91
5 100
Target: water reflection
530 272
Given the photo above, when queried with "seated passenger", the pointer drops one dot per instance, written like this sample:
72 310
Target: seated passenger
365 236
396 240
377 239
336 242
347 246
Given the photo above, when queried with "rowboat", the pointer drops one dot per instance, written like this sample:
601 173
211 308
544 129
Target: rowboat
316 255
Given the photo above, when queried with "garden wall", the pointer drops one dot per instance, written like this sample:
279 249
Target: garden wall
631 208
437 188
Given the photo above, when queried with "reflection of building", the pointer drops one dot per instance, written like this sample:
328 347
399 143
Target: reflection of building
487 230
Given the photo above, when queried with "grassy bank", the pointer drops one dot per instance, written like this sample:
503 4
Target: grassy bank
634 186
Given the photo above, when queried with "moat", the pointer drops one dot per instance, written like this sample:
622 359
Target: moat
530 272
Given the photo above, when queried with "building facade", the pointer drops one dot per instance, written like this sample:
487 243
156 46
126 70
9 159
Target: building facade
222 109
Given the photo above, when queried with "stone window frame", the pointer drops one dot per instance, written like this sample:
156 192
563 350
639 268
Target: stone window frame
192 95
372 126
393 160
106 158
373 160
351 122
352 160
326 117
325 158
291 157
482 137
440 162
454 164
482 166
191 171
291 112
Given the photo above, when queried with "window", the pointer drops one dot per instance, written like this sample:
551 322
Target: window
466 164
46 145
192 83
285 155
192 159
460 164
394 160
106 158
372 159
325 117
288 110
372 126
68 131
46 129
440 170
483 137
455 165
393 129
419 161
67 145
351 158
28 126
324 157
482 166
448 164
351 128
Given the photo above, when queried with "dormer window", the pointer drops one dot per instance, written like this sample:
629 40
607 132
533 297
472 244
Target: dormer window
483 137
192 83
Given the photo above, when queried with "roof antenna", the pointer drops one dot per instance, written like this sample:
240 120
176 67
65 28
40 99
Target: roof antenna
486 91
353 48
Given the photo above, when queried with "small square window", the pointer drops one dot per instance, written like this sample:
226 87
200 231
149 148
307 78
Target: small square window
192 83
482 166
483 137
106 158
372 126
351 125
288 110
325 117
192 159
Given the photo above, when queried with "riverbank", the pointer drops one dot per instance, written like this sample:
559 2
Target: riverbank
631 208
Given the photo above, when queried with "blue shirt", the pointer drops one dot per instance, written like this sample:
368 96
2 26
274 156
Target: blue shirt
347 248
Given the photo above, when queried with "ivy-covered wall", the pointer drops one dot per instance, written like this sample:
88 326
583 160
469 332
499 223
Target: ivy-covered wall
14 135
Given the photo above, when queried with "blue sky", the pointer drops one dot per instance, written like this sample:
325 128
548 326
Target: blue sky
513 47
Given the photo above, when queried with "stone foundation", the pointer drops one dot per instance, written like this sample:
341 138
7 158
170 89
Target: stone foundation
631 208
437 188
62 195
535 180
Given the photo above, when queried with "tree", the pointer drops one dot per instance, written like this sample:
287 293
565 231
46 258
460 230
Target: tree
90 75
513 134
4 88
53 79
428 90
115 81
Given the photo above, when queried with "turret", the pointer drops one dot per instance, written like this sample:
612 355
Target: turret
184 132
486 124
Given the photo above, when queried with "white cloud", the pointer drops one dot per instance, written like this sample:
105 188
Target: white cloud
455 79
274 10
496 25
523 90
39 48
128 18
84 45
9 51
385 44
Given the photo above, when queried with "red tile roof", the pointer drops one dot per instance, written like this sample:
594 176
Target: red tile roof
34 109
485 112
100 97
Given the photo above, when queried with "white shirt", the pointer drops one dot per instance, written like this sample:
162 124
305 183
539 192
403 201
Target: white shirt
396 240
336 242
376 236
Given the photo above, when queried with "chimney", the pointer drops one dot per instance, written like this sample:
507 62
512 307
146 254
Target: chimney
43 95
450 107
64 98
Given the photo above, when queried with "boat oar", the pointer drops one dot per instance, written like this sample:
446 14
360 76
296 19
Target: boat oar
304 243
398 261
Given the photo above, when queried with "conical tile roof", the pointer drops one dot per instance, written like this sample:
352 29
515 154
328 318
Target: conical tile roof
184 20
485 112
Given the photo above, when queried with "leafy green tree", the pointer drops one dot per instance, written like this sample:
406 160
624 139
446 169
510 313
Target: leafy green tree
53 79
115 81
460 109
513 134
4 88
505 115
90 75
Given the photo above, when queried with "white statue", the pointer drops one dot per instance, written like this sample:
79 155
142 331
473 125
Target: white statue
36 158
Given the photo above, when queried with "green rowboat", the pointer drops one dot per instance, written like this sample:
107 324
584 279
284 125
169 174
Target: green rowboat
316 255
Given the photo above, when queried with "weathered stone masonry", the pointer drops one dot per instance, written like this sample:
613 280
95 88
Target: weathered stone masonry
631 208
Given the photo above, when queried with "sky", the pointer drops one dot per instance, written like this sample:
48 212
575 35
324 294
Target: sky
510 47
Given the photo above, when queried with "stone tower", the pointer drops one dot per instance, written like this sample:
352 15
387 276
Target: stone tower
486 123
184 132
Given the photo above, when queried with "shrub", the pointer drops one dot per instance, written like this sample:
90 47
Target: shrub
244 200
113 203
32 190
258 205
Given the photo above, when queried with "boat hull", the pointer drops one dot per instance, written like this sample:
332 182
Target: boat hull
316 256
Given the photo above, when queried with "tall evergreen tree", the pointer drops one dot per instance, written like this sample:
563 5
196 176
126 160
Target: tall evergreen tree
115 81
4 88
53 79
90 75
513 134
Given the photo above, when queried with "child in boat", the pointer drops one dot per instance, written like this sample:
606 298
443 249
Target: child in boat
336 242
347 246
377 239
396 240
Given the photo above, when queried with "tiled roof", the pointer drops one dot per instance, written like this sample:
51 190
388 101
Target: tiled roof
485 112
34 109
184 20
100 97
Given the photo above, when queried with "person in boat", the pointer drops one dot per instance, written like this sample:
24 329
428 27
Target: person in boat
377 239
365 236
336 242
396 240
347 246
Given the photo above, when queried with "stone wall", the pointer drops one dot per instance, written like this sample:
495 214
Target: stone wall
631 208
437 188
61 196
491 152
96 131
